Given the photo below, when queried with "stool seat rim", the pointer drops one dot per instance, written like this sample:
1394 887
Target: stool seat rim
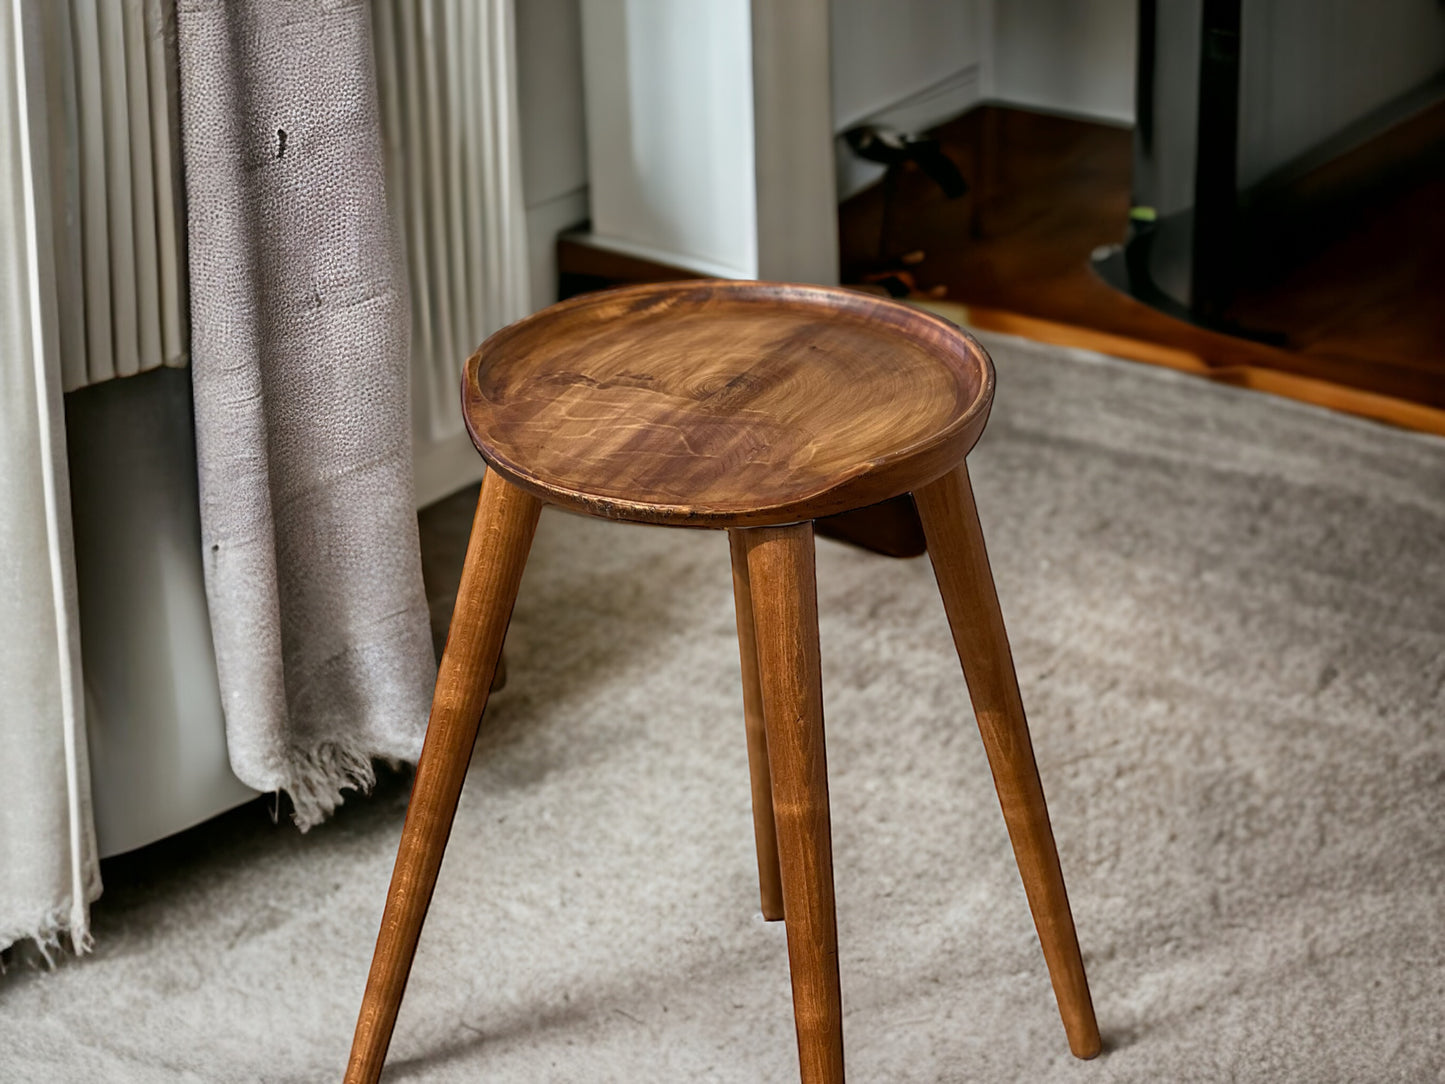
898 470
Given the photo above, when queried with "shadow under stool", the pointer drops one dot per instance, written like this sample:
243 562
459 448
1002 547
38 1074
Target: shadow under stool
755 408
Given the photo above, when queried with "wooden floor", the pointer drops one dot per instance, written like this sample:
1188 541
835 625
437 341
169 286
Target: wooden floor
1363 318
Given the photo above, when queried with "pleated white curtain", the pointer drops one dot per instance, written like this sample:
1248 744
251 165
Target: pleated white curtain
114 139
447 78
94 286
48 866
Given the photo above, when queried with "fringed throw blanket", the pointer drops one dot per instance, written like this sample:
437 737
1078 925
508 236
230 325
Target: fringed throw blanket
299 344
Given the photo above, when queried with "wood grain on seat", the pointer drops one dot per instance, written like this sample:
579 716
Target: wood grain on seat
726 404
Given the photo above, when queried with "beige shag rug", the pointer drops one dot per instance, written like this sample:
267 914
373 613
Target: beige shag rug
1228 613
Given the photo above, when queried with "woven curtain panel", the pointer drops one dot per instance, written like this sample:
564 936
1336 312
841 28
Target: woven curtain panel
319 621
48 867
446 71
114 138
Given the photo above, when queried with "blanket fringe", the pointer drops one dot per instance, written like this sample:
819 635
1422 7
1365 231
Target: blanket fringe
70 920
319 775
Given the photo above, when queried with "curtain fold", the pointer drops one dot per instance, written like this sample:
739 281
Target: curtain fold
115 147
48 866
448 85
299 345
296 298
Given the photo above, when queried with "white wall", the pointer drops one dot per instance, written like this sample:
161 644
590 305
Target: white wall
1066 56
884 54
796 185
908 64
1354 57
669 91
549 87
708 135
553 131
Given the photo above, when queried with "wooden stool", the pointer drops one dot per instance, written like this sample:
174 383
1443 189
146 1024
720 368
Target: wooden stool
756 408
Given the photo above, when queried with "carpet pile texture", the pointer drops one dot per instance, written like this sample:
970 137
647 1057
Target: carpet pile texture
1228 615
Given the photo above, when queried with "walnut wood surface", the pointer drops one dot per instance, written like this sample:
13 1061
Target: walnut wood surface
955 543
785 619
725 404
765 831
891 527
496 555
757 408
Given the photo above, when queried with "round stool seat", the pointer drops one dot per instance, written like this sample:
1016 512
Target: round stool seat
724 403
758 408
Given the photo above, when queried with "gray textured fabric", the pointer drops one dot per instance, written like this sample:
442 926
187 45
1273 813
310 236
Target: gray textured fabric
1228 614
299 341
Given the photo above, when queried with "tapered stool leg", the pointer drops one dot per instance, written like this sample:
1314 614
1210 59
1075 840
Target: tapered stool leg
955 544
785 619
765 830
502 533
